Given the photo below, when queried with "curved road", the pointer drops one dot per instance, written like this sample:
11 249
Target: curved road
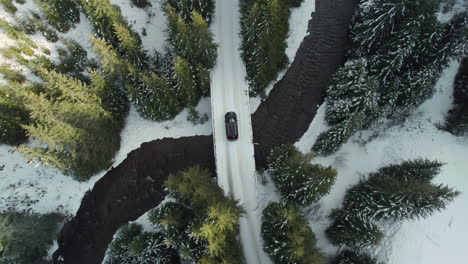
235 160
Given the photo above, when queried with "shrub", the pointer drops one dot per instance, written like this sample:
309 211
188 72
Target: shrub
352 230
299 181
134 246
354 257
25 238
141 3
61 14
287 237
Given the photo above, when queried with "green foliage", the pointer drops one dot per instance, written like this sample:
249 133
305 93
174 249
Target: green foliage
193 40
14 115
141 3
134 246
71 129
17 35
331 141
33 23
60 14
351 91
25 238
110 26
11 75
195 118
299 181
202 224
353 231
194 186
287 237
398 51
72 60
354 257
186 87
185 8
401 191
8 6
264 28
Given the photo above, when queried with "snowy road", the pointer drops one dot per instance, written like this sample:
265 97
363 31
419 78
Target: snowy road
235 160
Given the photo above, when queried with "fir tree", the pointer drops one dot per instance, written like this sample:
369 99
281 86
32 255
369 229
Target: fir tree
402 191
130 46
185 8
26 238
33 23
264 28
203 48
287 237
8 6
11 75
354 257
331 141
299 181
14 116
61 14
134 246
352 90
353 231
203 79
203 223
186 87
73 131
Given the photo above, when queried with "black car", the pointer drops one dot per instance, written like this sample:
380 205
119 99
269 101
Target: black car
230 120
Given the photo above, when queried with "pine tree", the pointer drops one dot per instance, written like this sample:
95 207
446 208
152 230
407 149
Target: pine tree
331 141
202 224
203 48
352 91
26 238
354 257
14 116
174 220
194 186
11 75
353 230
134 246
185 8
110 61
203 79
287 237
72 130
33 23
402 191
299 181
186 87
8 6
61 14
130 46
264 28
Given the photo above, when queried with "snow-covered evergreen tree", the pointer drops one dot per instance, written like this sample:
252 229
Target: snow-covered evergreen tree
352 90
134 246
354 257
299 181
203 223
287 237
185 8
352 230
61 14
402 191
330 141
14 116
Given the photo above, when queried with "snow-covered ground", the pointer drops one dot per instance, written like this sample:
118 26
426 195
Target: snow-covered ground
33 188
235 162
439 238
